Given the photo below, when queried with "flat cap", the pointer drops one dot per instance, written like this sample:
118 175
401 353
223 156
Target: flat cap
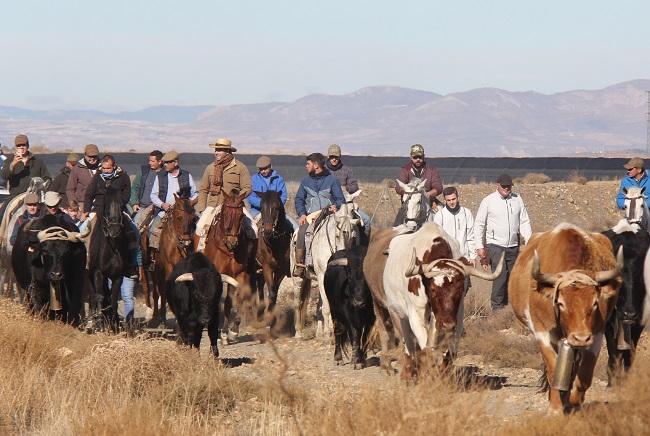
635 162
91 150
334 150
31 198
504 180
21 140
417 150
170 156
72 157
223 144
52 198
263 162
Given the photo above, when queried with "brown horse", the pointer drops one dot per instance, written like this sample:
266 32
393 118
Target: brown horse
231 251
176 237
274 240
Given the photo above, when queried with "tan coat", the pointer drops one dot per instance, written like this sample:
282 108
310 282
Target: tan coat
235 176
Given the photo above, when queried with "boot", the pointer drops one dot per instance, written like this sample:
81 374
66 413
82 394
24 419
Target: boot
152 259
299 266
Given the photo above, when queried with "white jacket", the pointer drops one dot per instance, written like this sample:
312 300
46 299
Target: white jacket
499 219
461 227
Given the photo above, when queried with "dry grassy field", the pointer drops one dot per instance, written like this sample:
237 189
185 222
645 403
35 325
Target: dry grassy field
59 381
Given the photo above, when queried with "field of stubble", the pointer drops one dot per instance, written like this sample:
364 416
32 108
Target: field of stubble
57 380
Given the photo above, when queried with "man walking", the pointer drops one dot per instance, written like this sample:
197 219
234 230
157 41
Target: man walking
500 220
458 222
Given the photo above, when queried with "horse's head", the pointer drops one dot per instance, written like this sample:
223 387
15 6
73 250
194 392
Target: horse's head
272 211
112 216
38 186
348 227
634 204
415 202
231 218
183 219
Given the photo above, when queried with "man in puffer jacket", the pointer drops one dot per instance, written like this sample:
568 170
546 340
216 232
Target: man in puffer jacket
267 179
319 190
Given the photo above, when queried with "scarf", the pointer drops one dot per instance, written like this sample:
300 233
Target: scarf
455 210
109 176
219 166
334 167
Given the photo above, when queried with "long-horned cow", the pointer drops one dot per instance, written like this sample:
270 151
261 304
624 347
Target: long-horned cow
563 287
423 284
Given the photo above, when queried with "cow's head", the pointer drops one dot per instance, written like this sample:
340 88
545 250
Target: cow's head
580 299
54 245
444 283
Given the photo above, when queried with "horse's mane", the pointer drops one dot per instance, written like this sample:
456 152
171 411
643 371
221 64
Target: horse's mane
185 193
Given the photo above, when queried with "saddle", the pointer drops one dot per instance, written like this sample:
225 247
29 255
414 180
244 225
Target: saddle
13 209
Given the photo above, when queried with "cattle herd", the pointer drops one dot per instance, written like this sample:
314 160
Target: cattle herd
570 287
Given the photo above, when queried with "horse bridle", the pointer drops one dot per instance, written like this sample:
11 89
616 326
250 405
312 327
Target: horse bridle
183 241
422 213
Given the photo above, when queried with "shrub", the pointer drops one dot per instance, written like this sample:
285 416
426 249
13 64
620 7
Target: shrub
575 177
533 179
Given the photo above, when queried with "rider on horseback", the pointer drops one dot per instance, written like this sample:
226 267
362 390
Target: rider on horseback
141 190
267 179
19 169
166 184
33 210
318 190
417 168
636 177
226 174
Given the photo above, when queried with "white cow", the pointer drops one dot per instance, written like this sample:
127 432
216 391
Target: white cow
424 286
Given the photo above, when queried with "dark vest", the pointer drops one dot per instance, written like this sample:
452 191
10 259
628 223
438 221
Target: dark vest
183 182
145 169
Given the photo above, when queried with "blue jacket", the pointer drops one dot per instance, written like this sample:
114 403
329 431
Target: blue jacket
629 182
317 192
274 182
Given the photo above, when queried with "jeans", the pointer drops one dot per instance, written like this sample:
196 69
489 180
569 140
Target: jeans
499 297
127 296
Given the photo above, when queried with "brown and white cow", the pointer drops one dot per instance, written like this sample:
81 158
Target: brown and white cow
564 286
422 288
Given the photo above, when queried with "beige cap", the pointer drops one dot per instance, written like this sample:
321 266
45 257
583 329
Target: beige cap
91 150
31 198
635 162
223 144
21 140
334 150
170 156
52 198
72 157
263 162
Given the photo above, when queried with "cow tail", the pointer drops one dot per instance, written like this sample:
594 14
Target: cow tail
373 341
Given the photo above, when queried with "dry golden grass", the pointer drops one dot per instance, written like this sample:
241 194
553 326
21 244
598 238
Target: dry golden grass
532 179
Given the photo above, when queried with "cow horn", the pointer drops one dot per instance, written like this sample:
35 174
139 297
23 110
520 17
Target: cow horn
547 279
73 236
472 271
428 268
413 268
605 276
85 232
232 282
187 277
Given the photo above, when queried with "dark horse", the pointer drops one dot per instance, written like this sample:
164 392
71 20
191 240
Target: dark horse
176 238
273 243
231 251
108 256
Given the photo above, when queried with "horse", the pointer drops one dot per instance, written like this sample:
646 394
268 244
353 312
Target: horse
14 207
273 246
636 208
416 208
333 232
176 240
232 252
107 257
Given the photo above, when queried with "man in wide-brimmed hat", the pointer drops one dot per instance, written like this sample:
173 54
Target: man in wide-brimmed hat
226 174
636 177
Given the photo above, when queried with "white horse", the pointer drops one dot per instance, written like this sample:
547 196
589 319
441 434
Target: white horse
416 209
636 207
336 232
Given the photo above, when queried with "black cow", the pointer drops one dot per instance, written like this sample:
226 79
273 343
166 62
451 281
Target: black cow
193 293
49 261
624 326
350 303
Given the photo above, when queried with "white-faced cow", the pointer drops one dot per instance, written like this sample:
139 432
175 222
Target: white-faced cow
350 304
423 285
563 287
625 326
194 292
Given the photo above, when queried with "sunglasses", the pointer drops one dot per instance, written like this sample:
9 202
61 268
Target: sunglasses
506 186
334 157
417 157
265 168
169 161
92 157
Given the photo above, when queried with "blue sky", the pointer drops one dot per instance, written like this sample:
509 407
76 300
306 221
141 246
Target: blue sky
115 55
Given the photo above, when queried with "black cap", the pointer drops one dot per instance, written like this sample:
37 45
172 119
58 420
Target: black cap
504 180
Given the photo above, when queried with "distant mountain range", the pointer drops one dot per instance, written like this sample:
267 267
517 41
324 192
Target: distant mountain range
380 120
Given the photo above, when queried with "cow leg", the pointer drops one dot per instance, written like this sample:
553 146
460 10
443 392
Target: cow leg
585 373
550 357
409 370
303 301
339 331
213 333
197 332
384 326
614 357
359 360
